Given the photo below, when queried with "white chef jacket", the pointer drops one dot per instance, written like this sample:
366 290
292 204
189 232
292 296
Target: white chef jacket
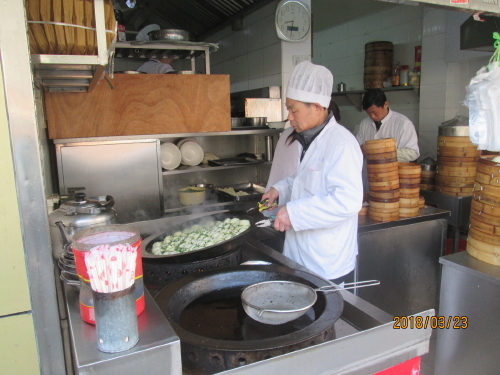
323 200
154 66
394 125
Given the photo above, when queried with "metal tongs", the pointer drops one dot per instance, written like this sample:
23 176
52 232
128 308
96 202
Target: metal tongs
266 222
261 206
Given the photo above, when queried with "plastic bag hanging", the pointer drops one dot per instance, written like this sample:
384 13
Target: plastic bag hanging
483 101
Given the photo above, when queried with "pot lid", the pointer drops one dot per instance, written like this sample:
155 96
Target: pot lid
457 127
82 212
428 160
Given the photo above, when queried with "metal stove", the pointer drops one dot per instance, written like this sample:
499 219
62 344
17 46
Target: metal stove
365 341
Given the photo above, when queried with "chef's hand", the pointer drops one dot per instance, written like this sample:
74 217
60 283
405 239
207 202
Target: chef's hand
272 194
282 221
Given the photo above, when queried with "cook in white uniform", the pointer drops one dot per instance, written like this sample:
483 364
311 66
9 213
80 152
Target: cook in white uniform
321 201
157 66
385 123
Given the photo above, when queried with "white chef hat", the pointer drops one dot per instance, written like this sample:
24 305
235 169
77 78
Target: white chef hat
310 83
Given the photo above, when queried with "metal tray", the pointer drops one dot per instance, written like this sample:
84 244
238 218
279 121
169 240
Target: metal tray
235 161
254 192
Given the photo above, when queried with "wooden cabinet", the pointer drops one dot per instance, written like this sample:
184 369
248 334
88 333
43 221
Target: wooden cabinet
142 104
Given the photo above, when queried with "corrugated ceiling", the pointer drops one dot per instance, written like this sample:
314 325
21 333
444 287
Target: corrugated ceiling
200 17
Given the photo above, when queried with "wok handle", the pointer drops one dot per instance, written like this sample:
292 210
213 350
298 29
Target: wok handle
359 284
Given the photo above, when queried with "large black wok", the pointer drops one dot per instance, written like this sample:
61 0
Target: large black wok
203 253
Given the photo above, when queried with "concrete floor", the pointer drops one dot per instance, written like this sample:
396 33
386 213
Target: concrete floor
427 360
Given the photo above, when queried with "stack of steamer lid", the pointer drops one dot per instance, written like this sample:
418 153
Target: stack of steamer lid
378 64
483 240
428 177
383 179
457 157
409 182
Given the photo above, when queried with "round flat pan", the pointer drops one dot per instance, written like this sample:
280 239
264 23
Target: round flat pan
200 254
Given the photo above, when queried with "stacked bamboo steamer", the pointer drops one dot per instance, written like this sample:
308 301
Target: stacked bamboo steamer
49 38
383 179
378 64
456 161
483 240
409 182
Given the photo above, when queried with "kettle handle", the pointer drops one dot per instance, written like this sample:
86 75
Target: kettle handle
64 236
110 201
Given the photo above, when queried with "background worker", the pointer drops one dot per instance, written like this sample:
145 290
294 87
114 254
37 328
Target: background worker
157 66
382 122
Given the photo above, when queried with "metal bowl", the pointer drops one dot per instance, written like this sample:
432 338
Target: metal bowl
255 121
169 34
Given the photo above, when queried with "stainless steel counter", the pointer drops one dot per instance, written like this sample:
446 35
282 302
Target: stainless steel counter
470 290
404 256
366 343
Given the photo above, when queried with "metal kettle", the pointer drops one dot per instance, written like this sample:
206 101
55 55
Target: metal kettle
74 215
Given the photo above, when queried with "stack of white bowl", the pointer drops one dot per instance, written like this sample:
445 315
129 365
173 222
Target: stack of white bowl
191 152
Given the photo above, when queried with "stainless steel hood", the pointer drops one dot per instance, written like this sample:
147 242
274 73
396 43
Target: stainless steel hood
471 6
478 35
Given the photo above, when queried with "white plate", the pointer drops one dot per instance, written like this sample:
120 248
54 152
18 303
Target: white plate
170 156
191 153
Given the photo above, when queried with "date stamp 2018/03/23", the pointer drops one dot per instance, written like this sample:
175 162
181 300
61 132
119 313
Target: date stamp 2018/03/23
420 322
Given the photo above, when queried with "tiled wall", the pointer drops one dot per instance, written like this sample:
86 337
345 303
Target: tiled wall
251 56
342 50
446 71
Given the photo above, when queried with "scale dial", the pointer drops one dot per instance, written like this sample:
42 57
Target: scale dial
293 20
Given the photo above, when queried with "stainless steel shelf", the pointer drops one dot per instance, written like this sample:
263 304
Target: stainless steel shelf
205 168
356 96
168 137
158 49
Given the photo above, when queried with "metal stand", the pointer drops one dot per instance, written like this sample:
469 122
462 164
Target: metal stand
460 212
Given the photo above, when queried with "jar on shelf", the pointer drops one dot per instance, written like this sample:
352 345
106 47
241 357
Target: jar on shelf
395 74
414 78
403 76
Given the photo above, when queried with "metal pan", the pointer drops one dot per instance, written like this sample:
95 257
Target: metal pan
203 253
279 302
169 34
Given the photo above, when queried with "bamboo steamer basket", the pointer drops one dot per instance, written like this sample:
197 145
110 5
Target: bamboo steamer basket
410 193
458 164
485 208
485 218
378 216
409 186
382 156
384 185
384 200
455 159
456 141
427 181
455 171
378 64
408 211
379 146
486 166
484 237
384 207
484 252
382 168
458 153
62 39
387 194
487 179
382 161
484 227
479 196
379 177
409 181
421 202
409 169
409 202
492 191
455 182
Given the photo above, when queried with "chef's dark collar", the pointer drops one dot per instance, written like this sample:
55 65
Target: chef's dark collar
378 124
308 136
